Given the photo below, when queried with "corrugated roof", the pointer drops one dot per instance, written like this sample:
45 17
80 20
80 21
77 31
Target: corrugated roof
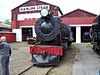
2 25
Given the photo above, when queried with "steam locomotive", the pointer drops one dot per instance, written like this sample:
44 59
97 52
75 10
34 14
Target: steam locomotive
53 38
95 34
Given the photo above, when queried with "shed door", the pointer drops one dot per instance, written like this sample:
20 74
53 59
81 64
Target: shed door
26 32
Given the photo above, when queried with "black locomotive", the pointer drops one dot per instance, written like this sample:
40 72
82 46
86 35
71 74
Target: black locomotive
53 37
95 34
86 37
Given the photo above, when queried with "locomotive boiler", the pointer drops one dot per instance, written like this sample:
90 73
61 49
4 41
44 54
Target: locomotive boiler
95 34
53 38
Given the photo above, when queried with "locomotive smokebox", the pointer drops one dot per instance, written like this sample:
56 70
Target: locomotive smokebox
46 28
47 31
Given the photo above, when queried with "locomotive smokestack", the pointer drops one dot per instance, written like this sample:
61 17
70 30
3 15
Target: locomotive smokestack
60 10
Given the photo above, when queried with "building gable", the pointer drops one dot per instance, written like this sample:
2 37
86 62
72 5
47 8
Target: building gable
29 12
79 13
78 16
31 3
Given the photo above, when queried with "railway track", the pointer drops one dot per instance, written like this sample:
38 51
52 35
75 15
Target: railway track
34 70
25 70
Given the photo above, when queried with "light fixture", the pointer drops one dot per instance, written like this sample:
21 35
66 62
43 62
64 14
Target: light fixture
44 12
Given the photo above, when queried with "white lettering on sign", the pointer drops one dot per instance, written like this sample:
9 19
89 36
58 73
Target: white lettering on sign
33 8
28 16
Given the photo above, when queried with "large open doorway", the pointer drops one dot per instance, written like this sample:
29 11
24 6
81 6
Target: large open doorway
26 32
73 29
85 34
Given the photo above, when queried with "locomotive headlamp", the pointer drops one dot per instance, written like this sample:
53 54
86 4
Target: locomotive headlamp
44 12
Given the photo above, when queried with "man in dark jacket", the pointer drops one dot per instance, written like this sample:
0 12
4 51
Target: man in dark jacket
5 52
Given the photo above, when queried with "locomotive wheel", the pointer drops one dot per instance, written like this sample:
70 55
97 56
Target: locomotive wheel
69 43
96 50
93 47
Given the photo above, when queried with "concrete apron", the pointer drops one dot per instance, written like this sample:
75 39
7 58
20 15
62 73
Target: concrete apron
87 61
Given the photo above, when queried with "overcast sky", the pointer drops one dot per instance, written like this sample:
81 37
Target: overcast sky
66 6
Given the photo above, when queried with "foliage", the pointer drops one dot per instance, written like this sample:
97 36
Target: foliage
7 21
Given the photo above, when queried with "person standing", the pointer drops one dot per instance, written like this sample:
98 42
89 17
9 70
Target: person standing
5 52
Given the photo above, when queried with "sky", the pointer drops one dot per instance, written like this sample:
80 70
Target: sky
65 5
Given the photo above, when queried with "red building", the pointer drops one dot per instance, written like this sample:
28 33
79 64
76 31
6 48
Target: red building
80 21
5 30
24 17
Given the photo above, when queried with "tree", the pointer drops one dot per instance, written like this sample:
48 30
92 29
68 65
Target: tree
7 22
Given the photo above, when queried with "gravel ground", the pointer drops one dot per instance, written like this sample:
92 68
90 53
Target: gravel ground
80 59
20 58
88 62
65 67
36 70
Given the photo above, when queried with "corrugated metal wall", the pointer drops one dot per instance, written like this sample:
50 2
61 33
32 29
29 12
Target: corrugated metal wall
11 37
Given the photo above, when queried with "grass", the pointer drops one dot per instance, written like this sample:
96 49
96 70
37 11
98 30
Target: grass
89 45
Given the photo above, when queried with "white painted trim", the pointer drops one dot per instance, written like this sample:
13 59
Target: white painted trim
25 26
77 25
18 34
34 34
78 34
